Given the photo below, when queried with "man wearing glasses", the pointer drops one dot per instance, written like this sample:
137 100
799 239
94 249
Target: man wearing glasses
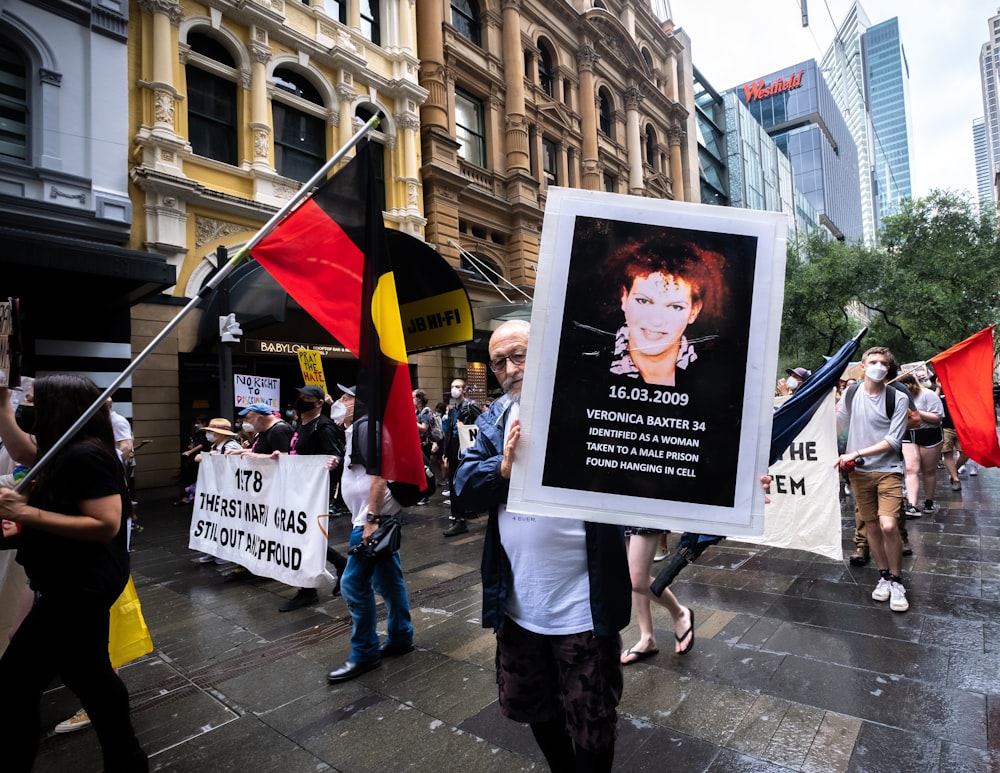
556 591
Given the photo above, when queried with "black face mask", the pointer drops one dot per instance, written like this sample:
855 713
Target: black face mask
304 406
24 415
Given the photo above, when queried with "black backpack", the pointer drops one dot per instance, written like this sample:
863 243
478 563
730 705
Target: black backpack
407 494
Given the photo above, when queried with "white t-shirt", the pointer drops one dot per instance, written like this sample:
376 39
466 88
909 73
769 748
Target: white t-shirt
548 558
355 483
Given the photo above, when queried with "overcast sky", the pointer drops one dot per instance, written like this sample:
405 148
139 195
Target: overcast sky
733 41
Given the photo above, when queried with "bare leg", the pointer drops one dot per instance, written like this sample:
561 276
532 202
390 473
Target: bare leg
640 558
928 469
911 456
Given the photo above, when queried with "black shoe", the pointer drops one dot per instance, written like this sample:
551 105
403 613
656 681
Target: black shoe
456 528
335 591
351 670
303 598
394 650
860 556
907 550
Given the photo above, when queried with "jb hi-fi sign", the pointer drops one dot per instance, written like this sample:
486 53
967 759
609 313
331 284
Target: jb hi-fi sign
757 89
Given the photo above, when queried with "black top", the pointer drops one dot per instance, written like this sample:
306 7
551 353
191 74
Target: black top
59 564
320 436
276 438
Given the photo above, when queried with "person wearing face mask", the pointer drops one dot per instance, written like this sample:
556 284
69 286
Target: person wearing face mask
460 410
269 434
316 434
876 436
796 378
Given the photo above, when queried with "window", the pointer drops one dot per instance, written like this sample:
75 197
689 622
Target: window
465 19
609 182
299 136
337 9
371 25
13 104
651 146
607 127
470 129
545 70
211 99
550 158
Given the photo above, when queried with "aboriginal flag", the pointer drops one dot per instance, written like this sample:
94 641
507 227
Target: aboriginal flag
966 375
330 255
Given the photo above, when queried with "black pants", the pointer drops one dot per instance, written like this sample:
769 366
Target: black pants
65 634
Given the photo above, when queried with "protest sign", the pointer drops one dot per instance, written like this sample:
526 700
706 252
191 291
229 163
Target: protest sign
804 513
648 385
311 364
268 515
257 389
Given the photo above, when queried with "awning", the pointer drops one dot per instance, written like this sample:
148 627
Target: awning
118 274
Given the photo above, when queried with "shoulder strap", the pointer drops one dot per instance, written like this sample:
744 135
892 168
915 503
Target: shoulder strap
848 397
890 401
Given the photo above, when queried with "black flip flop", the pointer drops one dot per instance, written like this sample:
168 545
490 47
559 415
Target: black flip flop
639 655
689 631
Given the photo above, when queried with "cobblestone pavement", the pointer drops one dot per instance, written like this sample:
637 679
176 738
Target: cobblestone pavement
795 668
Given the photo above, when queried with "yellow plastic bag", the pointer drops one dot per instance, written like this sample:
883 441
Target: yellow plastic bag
128 637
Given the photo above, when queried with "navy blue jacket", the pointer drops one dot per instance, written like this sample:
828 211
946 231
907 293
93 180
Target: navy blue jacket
479 486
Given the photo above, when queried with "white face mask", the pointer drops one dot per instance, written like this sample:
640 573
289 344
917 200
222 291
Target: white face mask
248 427
211 437
792 382
338 412
456 392
876 371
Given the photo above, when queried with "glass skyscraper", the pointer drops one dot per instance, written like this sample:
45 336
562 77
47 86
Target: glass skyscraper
985 189
798 111
988 75
887 89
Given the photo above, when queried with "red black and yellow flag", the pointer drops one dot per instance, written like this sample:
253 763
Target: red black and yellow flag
330 255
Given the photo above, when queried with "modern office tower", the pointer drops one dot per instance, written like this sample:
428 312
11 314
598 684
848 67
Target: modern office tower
710 114
985 189
798 111
991 111
887 79
844 74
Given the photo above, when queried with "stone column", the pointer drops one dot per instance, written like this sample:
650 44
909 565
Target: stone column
674 137
260 123
406 25
586 57
345 126
516 136
633 140
563 165
166 15
430 50
670 70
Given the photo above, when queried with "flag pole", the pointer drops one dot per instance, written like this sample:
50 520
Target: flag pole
238 257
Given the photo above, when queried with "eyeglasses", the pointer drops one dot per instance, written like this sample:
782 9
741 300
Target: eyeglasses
499 364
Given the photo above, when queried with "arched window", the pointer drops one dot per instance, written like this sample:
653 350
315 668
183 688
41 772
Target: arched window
482 266
299 132
465 19
651 145
211 98
647 57
545 79
13 103
606 114
371 21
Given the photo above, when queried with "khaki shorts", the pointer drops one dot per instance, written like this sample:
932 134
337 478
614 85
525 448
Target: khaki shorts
951 444
877 493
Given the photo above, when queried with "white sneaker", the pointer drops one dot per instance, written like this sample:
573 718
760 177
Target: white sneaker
882 590
897 601
963 470
205 558
78 721
973 467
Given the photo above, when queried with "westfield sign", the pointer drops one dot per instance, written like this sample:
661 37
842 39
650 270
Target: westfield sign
757 89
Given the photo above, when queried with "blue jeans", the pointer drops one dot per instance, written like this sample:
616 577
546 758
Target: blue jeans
361 581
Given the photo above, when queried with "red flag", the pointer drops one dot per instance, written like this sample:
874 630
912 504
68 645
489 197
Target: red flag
330 255
966 374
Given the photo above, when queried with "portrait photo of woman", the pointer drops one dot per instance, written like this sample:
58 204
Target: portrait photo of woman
653 350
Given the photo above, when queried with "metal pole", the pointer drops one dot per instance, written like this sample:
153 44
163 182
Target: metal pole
242 254
227 399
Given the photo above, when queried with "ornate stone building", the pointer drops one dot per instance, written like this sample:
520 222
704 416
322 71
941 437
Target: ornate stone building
593 94
234 104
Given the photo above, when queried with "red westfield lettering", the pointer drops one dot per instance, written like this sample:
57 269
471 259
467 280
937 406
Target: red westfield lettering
757 89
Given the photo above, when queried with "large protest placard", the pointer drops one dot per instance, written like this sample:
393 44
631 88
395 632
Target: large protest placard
256 389
804 513
649 381
268 515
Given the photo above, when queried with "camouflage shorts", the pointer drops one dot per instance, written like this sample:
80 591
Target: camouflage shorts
577 675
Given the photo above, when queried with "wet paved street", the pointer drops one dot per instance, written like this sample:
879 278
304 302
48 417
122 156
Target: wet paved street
794 667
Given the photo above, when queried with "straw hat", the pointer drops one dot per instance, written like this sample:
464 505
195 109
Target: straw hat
221 427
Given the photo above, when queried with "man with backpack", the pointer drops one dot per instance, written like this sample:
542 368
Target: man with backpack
875 467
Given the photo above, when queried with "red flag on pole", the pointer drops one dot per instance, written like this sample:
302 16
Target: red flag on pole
966 374
330 255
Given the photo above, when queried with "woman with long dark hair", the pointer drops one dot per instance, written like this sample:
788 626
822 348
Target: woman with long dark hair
72 547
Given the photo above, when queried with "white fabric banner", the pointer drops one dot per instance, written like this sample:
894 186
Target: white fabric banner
804 513
267 515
